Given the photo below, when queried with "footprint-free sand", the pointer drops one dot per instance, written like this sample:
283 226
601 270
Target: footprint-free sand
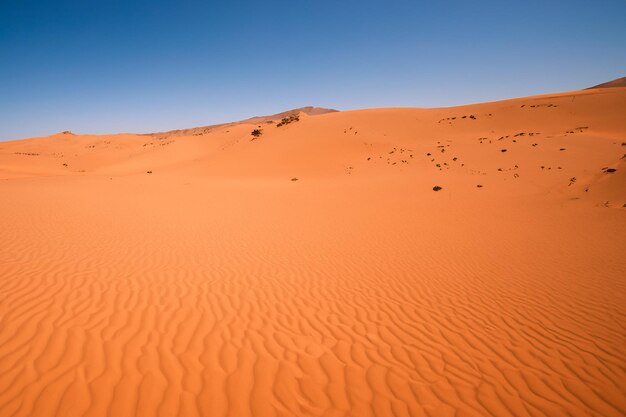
314 271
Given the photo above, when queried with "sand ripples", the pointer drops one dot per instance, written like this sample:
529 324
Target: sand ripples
234 317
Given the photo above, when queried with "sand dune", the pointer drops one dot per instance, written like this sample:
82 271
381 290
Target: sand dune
618 82
313 271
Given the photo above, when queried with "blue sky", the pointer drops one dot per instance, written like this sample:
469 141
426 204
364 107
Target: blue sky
111 66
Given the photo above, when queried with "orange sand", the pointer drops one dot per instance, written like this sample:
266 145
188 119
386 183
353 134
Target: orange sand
217 286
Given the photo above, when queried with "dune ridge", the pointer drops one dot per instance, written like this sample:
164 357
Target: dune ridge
185 274
618 82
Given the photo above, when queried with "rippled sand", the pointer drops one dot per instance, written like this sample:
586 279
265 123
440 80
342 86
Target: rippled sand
219 285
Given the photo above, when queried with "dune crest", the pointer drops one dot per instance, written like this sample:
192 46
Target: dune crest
618 82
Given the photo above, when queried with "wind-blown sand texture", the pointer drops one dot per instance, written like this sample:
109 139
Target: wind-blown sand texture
313 271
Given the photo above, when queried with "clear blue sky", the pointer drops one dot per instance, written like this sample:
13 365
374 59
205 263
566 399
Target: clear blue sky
120 65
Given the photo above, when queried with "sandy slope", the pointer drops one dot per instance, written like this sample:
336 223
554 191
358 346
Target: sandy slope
217 286
618 82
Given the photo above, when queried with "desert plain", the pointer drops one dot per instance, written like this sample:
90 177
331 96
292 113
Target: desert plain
462 261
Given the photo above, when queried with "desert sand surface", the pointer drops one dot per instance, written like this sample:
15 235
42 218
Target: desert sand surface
313 270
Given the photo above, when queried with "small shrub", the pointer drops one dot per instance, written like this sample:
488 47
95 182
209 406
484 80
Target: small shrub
611 170
256 133
290 119
294 179
437 188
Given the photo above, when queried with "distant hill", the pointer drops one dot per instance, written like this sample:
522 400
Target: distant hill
618 82
308 110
